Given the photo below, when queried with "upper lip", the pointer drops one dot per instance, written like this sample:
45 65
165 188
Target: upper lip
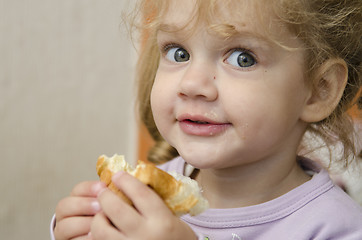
197 118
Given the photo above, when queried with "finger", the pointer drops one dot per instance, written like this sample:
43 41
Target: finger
76 206
72 227
102 229
122 215
144 198
88 189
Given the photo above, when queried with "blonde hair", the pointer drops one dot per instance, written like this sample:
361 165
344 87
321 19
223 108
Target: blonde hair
328 29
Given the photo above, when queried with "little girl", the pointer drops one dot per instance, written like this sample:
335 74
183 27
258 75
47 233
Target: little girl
228 90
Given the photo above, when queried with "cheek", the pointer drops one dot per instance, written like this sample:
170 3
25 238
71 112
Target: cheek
156 94
156 101
161 104
253 111
163 93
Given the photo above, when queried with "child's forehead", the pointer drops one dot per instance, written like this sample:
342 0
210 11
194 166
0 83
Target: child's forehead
226 18
188 12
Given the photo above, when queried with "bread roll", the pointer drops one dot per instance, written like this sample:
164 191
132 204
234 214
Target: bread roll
181 194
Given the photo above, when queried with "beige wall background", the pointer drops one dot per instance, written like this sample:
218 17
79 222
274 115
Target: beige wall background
66 94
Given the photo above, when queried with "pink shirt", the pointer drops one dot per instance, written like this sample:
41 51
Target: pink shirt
316 210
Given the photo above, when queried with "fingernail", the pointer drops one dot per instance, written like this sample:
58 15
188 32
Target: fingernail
96 206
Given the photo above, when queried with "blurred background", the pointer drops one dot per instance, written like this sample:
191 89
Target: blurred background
66 97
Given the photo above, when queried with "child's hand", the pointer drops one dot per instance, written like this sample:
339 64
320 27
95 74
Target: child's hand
75 213
149 219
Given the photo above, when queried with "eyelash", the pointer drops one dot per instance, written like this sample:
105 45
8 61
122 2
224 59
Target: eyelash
165 47
241 49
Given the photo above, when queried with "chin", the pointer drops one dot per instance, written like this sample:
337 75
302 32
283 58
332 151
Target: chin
199 161
202 155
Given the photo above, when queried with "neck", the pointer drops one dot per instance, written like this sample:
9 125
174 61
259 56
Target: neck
250 184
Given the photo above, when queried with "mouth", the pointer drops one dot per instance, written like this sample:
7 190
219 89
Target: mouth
198 120
201 126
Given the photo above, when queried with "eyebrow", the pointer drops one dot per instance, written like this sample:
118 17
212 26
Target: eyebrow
231 34
230 31
164 27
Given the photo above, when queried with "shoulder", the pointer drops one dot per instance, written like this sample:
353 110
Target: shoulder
330 200
331 215
335 202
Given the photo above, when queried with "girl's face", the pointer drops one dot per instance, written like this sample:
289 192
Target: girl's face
228 102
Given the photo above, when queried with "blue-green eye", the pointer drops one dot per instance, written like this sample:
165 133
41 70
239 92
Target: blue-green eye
240 58
177 54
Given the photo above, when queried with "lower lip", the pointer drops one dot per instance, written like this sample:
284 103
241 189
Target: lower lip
205 130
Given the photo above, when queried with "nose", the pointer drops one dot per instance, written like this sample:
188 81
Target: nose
199 82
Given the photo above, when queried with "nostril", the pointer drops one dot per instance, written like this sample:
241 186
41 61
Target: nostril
181 94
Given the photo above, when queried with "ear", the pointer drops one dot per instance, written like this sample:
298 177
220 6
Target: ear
330 81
